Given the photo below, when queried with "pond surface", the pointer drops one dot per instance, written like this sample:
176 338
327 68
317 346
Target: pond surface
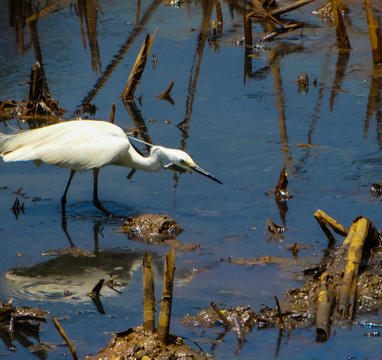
237 122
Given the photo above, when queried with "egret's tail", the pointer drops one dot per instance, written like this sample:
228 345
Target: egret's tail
3 143
12 148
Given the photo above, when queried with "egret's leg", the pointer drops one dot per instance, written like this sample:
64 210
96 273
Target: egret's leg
63 199
96 201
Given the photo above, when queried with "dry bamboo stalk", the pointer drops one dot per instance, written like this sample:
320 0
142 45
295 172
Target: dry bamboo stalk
138 68
374 34
342 36
356 238
324 309
166 302
148 295
66 339
222 317
325 219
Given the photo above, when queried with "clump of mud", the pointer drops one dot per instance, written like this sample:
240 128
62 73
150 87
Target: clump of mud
135 344
155 229
151 228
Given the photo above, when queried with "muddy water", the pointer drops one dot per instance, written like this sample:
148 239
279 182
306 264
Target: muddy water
239 123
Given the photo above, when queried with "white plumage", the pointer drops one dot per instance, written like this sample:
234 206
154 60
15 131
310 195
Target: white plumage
89 144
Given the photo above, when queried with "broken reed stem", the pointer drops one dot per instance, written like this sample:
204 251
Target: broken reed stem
219 13
279 313
222 317
166 301
355 239
290 7
342 36
148 295
374 34
324 309
138 68
325 220
248 30
112 113
66 339
167 92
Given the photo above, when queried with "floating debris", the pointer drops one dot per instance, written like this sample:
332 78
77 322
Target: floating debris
281 187
333 297
39 109
302 83
273 232
376 189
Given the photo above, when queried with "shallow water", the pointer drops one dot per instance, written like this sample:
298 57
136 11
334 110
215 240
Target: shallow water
241 128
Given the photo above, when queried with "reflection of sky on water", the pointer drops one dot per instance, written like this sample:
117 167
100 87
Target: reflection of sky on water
240 127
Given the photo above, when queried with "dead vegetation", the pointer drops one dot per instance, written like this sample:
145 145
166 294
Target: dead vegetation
344 285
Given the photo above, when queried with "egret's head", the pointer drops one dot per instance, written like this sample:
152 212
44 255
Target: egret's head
179 161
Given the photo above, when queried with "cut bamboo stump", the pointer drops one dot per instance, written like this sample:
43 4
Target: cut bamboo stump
148 295
166 302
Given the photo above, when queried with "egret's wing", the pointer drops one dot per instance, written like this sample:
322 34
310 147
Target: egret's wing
77 145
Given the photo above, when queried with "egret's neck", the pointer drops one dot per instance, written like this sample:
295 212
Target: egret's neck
153 162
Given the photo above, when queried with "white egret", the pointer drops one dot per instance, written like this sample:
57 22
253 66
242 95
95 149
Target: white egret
89 144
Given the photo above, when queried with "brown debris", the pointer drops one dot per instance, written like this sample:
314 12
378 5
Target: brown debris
40 106
349 283
302 83
151 228
281 187
15 319
274 232
135 344
376 189
325 12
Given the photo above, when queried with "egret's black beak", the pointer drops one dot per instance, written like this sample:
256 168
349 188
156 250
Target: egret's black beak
199 170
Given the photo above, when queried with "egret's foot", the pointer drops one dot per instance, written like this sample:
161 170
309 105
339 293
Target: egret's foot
100 207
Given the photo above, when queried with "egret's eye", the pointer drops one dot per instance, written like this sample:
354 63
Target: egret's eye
182 162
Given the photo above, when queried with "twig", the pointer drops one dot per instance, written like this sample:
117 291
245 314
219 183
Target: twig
222 317
66 339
